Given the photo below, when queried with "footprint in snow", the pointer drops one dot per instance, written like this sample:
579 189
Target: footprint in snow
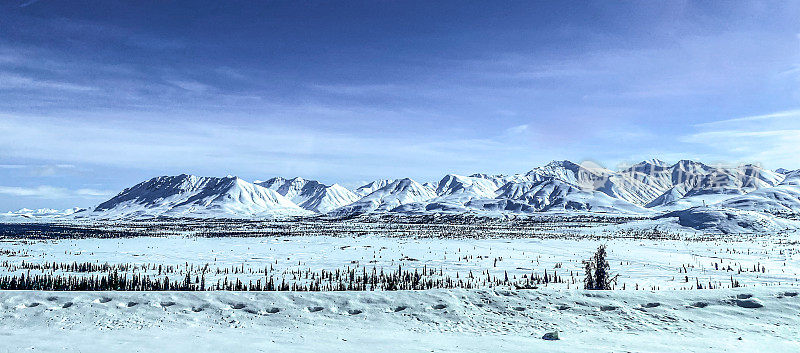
67 305
439 306
651 305
744 296
273 310
238 306
608 308
167 304
519 308
103 300
700 304
354 311
400 308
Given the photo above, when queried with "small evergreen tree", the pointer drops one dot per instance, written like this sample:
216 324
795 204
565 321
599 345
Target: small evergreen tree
598 276
588 281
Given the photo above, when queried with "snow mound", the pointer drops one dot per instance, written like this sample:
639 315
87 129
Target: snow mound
407 321
727 220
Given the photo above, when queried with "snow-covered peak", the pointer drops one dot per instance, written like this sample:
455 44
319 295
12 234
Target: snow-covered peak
648 166
193 196
587 176
471 187
311 194
389 197
368 188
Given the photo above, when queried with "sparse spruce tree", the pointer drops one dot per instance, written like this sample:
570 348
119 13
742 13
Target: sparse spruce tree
597 270
588 281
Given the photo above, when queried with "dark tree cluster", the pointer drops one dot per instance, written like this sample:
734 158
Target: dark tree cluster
350 279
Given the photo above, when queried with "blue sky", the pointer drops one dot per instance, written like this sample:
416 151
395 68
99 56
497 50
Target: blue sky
98 95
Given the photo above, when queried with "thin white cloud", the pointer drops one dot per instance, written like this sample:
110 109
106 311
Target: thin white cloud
27 3
516 130
754 118
189 85
16 81
773 148
93 193
771 139
51 192
250 149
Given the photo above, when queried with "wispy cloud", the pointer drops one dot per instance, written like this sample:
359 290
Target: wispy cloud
793 114
193 86
263 148
516 130
15 81
771 139
28 3
51 192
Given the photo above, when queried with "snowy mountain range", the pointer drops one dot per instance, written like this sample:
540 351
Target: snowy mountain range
650 188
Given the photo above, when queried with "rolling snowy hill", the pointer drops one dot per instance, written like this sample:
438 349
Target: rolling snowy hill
783 198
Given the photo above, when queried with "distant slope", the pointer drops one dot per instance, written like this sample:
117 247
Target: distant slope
193 196
557 195
725 220
389 197
310 194
783 198
716 186
368 188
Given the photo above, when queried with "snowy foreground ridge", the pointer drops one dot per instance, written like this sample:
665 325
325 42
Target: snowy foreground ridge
726 320
688 193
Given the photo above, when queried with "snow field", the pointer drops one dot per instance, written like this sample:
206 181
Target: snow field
741 319
643 264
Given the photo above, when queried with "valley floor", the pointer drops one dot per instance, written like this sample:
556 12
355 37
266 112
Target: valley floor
761 316
765 319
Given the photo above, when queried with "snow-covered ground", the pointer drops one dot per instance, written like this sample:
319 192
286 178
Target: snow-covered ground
762 319
763 315
660 264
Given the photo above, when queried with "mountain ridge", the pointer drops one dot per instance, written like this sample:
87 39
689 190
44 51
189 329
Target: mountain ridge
647 188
